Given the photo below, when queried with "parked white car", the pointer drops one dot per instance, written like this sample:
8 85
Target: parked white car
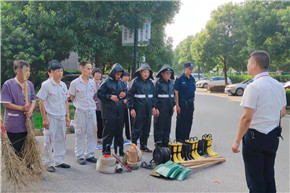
195 76
217 80
287 85
238 89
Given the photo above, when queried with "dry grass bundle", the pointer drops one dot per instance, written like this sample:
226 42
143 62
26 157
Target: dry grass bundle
31 149
32 156
14 169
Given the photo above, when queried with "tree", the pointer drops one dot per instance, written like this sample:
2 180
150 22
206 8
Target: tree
41 31
267 26
182 54
25 37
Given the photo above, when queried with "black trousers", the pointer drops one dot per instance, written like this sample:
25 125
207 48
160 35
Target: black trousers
113 129
184 120
99 124
259 153
141 129
126 123
162 126
17 141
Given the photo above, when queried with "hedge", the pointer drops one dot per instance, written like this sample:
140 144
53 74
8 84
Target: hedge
288 96
241 78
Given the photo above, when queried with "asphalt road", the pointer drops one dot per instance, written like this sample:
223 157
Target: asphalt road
216 115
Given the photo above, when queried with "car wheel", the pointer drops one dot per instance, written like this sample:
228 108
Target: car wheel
239 92
205 85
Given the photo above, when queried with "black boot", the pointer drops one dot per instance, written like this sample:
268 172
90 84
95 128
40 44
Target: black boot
188 147
121 151
107 150
144 148
184 152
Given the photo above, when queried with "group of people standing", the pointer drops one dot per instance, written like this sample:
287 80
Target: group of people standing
102 108
105 105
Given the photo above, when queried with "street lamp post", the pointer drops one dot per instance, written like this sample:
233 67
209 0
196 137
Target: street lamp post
135 50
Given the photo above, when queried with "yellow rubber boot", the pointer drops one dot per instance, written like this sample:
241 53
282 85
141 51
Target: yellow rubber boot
196 157
195 151
179 145
209 149
174 153
171 150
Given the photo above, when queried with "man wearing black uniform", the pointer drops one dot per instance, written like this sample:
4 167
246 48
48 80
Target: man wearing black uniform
142 105
184 97
112 94
125 79
164 94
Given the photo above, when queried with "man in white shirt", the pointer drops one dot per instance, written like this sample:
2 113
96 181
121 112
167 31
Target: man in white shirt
54 109
264 103
82 91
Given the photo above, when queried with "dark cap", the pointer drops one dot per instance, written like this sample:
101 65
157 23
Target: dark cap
168 70
188 65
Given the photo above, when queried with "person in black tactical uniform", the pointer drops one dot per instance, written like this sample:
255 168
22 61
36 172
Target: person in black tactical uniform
184 87
112 94
125 79
142 105
164 94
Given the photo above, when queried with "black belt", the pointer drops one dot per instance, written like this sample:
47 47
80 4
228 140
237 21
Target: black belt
277 129
188 100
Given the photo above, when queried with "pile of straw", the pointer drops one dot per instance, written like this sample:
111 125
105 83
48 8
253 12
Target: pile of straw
31 149
14 169
31 155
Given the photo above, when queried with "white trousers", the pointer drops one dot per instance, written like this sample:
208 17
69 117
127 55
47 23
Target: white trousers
85 132
54 141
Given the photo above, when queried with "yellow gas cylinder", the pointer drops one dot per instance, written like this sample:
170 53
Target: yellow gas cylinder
132 153
133 157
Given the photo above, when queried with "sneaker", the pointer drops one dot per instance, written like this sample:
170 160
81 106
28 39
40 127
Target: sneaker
63 165
50 169
92 159
82 161
146 149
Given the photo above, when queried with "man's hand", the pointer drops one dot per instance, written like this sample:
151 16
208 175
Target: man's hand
29 114
157 113
235 147
178 110
153 111
45 123
133 113
114 98
67 120
26 108
122 95
125 101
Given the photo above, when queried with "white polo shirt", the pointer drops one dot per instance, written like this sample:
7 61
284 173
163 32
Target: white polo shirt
267 97
54 96
83 93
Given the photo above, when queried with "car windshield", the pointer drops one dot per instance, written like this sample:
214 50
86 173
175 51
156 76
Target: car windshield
246 81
